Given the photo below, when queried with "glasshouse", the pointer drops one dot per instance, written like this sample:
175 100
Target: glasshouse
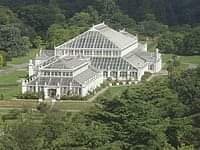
80 65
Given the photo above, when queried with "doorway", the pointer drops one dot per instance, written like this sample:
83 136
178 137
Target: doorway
52 93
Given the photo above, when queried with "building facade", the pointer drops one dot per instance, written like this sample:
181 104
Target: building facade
80 65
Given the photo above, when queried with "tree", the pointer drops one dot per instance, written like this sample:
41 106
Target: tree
191 43
58 34
17 45
172 67
152 28
187 85
37 42
4 55
1 61
7 16
37 16
81 19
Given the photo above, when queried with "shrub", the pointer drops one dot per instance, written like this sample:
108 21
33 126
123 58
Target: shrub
12 115
43 107
30 95
65 97
146 76
1 97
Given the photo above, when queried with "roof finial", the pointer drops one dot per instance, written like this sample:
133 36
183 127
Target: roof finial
92 28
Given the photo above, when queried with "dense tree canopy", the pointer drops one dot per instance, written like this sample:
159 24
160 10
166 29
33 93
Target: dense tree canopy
37 18
12 41
163 114
146 116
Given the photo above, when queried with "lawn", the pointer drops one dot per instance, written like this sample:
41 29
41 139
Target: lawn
74 106
185 60
113 92
152 44
6 105
18 104
24 59
10 84
190 59
10 80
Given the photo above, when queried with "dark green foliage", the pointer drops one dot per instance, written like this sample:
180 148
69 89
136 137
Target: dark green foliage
54 22
43 107
38 17
12 41
37 42
182 43
73 98
30 95
58 34
146 76
7 16
153 115
3 54
191 43
146 116
12 115
187 86
152 28
171 43
171 12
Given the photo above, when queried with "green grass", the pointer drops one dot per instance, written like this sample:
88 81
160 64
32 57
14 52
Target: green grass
10 85
113 92
74 106
6 105
190 59
26 58
185 60
18 104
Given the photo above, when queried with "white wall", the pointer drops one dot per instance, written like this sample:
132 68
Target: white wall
92 85
141 72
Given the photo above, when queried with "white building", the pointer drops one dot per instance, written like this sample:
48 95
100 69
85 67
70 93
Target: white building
80 65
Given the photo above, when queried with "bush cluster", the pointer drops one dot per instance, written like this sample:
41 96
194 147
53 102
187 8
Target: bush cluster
30 95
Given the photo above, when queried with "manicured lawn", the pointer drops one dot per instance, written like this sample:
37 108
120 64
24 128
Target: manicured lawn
24 59
18 104
166 57
185 60
10 84
74 106
6 105
113 92
190 59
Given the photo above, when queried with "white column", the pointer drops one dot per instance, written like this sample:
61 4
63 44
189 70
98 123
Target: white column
45 91
145 47
30 68
24 86
58 91
108 73
128 75
36 87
